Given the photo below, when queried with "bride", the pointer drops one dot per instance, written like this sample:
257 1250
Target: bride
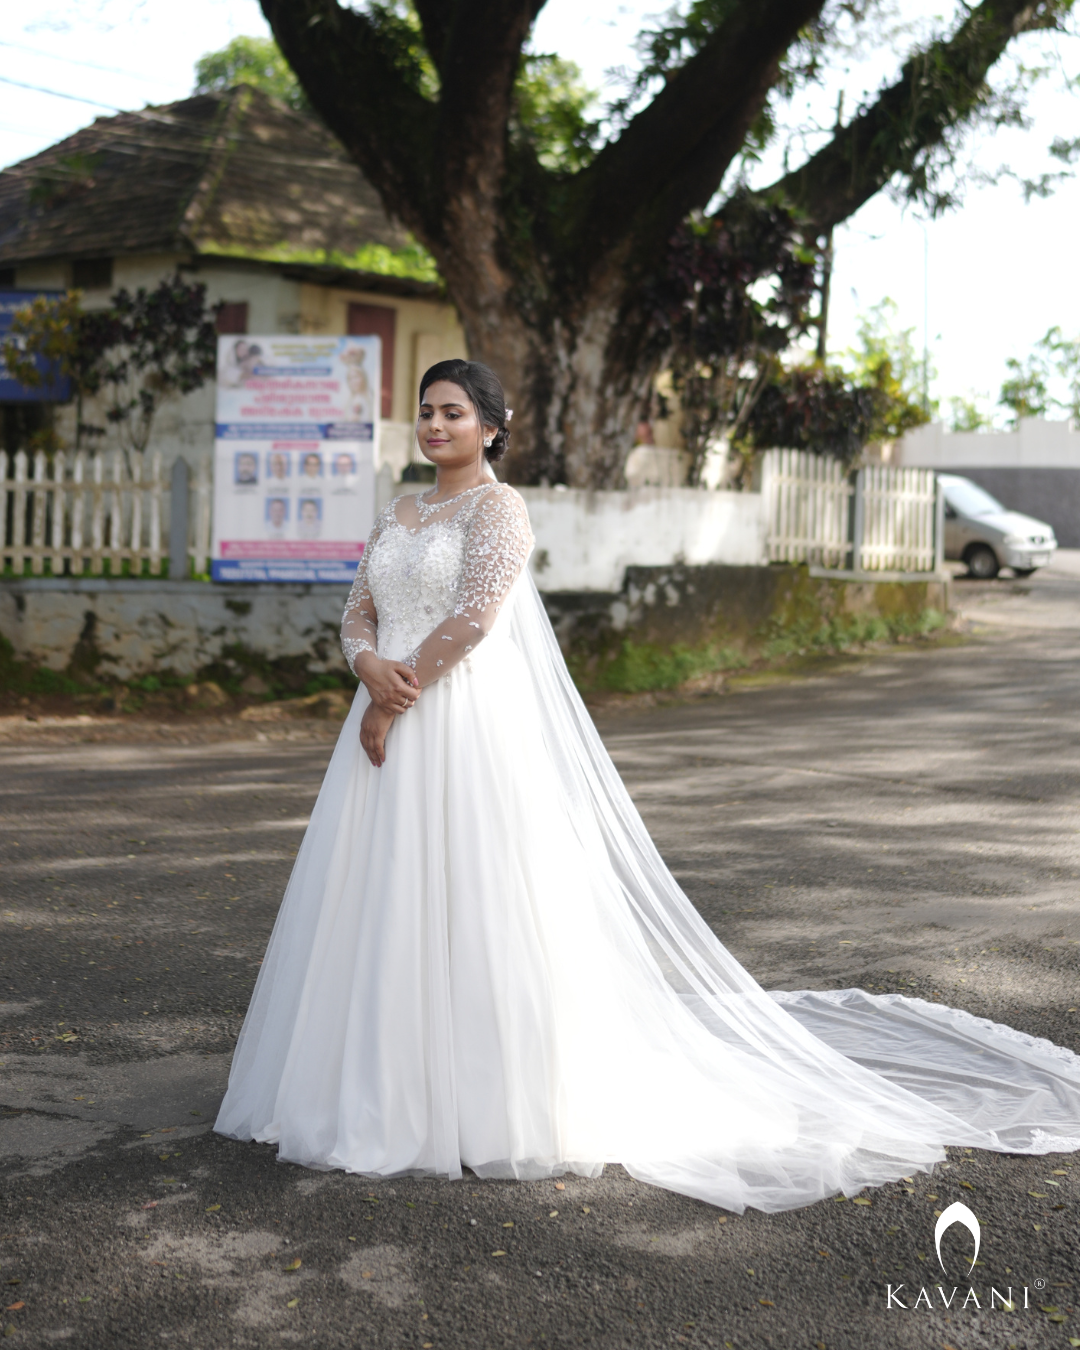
482 961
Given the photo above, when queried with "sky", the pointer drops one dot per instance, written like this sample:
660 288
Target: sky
987 279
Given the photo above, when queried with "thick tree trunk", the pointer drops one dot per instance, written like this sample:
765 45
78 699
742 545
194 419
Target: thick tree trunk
577 382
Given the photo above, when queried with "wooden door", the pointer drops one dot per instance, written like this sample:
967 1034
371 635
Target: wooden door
378 321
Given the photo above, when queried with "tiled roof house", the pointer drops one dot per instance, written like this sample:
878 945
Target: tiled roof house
242 193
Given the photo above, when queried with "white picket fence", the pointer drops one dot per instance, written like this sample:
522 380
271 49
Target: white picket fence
896 526
806 499
83 514
880 519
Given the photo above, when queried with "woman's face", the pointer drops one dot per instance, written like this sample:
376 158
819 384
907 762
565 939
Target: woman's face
448 428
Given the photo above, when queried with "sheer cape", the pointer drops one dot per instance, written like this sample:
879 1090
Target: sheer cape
872 1080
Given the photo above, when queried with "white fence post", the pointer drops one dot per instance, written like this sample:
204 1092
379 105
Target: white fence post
179 558
201 551
858 521
97 519
116 516
37 528
18 511
154 521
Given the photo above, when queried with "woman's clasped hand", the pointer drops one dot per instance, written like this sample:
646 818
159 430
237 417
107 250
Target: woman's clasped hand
393 685
374 725
393 688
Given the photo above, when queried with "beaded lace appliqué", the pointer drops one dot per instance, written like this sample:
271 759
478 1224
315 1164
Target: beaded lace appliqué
352 647
425 509
359 630
445 581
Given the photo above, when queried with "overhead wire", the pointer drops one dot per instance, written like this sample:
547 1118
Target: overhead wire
74 61
56 93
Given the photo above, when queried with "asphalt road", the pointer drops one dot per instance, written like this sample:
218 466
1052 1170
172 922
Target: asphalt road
905 821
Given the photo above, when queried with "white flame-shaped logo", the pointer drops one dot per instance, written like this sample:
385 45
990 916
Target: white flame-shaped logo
957 1213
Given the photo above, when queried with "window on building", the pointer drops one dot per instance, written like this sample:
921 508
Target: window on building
92 274
25 426
378 321
232 317
7 278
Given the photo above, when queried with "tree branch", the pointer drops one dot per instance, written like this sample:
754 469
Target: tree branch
435 18
360 86
674 153
480 58
938 89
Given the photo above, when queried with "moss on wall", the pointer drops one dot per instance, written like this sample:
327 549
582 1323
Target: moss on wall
671 625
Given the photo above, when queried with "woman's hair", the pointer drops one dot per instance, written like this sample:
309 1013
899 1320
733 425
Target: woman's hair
485 392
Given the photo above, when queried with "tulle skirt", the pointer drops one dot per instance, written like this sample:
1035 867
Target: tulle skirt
456 978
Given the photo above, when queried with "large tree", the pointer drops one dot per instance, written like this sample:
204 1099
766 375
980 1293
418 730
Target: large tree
550 265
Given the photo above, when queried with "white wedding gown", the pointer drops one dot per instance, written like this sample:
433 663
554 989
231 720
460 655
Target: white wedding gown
481 959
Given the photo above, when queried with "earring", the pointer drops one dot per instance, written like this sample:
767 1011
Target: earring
487 442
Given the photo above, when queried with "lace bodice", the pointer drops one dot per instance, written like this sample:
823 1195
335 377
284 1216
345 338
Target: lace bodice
432 580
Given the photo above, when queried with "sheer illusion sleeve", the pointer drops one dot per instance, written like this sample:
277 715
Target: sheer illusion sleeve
497 548
360 622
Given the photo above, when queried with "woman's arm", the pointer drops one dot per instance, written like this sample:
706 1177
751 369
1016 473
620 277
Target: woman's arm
391 684
497 549
373 728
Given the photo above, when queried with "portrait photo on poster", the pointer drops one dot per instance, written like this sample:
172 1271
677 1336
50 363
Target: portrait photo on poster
359 385
311 470
245 468
278 467
309 518
238 360
344 471
277 514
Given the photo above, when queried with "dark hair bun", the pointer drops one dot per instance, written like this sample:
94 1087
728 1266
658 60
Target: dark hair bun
484 389
499 445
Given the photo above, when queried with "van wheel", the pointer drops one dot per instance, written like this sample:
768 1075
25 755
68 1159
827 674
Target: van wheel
982 562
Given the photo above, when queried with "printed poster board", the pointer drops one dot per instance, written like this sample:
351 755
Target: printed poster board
294 457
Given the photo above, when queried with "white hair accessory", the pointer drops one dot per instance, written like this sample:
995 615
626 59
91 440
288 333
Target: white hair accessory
509 414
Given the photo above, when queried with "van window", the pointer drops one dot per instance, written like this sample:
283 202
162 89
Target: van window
968 499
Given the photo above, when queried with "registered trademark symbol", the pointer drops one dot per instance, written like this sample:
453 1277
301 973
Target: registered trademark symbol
1038 1284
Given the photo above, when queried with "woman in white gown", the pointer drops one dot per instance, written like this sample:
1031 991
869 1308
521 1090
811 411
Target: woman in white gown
481 959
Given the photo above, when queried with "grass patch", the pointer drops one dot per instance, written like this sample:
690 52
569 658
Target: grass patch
636 668
781 638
